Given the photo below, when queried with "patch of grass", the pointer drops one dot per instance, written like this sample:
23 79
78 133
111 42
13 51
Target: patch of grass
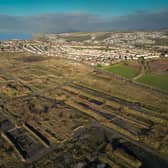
32 58
94 48
77 38
163 42
156 80
122 70
103 36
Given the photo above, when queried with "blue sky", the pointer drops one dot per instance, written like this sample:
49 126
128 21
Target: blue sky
56 16
101 7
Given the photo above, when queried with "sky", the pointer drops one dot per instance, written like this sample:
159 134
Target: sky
102 7
54 16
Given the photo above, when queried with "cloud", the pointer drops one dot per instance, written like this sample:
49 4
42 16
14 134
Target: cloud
75 22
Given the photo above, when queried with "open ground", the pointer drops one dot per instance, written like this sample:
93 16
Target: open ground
55 106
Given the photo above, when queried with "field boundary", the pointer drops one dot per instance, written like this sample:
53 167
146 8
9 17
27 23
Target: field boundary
133 81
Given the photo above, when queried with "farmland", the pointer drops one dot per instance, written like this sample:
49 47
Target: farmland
153 73
155 80
123 70
72 114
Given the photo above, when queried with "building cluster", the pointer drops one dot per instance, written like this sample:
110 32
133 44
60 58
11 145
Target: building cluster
11 46
113 48
95 55
32 46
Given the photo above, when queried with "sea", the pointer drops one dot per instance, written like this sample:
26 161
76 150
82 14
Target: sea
14 36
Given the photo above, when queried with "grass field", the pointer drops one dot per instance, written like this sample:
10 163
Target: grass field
156 80
78 38
123 70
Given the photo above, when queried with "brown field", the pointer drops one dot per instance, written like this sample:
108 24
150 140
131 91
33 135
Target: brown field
74 110
159 66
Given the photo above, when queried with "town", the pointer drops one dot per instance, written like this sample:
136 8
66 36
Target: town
94 48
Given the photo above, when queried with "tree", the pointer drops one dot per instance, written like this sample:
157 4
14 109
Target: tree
125 58
141 60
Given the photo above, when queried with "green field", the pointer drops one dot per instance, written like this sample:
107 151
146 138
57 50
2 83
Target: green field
78 38
156 80
122 70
